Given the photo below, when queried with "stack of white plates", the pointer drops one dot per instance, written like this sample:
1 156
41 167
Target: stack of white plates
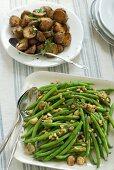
102 16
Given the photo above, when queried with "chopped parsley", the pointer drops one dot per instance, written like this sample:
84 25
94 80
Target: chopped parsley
34 28
34 18
41 10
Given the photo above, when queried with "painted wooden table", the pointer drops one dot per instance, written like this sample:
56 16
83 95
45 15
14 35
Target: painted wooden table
95 53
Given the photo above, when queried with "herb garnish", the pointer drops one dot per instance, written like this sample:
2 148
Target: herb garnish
34 28
39 10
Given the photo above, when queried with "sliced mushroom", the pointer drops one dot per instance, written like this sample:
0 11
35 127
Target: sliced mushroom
60 15
38 14
35 23
31 50
14 21
67 40
22 44
17 32
46 24
26 12
59 28
40 36
49 11
59 37
60 48
25 21
29 32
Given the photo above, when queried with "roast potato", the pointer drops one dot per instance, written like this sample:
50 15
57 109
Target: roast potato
67 40
59 37
40 36
14 21
17 32
29 32
22 44
60 15
31 50
46 24
25 21
25 13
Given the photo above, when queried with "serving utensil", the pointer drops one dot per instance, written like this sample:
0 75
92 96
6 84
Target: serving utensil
28 97
14 42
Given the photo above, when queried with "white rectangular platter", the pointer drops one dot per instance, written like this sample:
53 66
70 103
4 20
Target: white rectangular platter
42 78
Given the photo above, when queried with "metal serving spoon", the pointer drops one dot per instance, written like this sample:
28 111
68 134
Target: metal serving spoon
14 41
28 97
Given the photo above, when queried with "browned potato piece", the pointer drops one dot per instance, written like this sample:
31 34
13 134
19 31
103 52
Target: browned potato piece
60 15
25 21
49 11
53 48
40 36
14 21
60 48
17 32
46 24
59 28
33 41
22 44
59 37
29 33
31 50
25 13
67 40
40 47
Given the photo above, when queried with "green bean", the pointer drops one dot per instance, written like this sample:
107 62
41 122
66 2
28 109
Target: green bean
110 119
87 136
35 129
65 118
87 95
56 124
62 156
92 159
31 106
54 154
37 155
111 109
50 144
28 133
42 137
58 96
109 90
47 87
83 119
96 149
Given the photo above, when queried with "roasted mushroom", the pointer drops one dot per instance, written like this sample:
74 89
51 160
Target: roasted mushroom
59 37
52 48
33 23
31 50
60 15
49 11
60 48
39 13
22 44
29 32
48 34
33 41
25 13
40 36
17 32
40 47
25 21
14 21
67 40
46 24
59 28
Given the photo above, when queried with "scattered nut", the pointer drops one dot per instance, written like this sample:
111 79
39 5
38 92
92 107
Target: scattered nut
80 160
29 148
34 120
71 160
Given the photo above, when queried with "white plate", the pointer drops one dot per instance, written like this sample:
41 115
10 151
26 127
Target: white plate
106 12
97 16
42 78
72 51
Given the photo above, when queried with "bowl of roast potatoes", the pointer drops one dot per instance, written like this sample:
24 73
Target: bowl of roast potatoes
41 30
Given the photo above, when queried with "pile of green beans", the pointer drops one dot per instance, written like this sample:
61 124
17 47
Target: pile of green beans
69 118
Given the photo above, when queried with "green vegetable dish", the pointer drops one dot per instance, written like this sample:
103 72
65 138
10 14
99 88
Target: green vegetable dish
69 121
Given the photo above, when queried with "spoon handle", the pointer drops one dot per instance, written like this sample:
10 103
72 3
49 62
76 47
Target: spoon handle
20 124
68 61
2 146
